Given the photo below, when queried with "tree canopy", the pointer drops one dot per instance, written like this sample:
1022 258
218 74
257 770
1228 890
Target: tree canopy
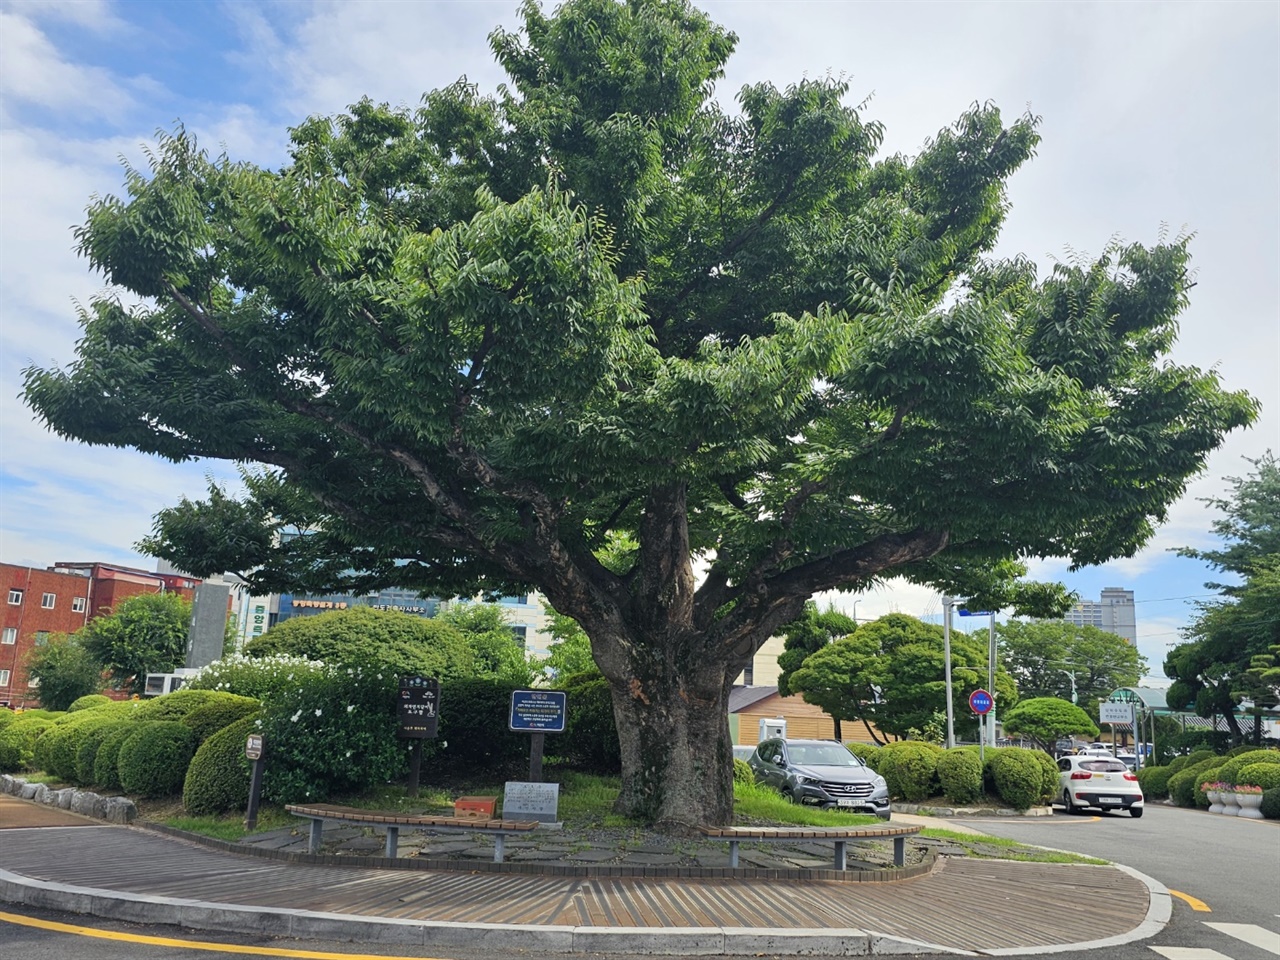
891 674
1080 664
467 346
1230 648
808 634
65 671
1048 719
142 634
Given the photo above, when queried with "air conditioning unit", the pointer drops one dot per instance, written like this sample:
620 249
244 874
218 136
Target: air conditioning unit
159 684
771 728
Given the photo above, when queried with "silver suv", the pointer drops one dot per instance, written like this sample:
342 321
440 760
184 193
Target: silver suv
822 773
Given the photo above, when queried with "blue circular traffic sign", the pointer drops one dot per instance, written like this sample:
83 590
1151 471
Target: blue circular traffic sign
980 702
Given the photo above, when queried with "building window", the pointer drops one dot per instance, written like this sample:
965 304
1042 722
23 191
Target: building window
15 598
4 678
10 635
33 683
521 632
77 604
47 600
42 637
520 600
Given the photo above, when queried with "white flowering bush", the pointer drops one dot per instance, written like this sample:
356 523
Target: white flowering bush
257 677
329 732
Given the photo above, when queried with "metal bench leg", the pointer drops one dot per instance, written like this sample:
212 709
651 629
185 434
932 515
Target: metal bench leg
733 853
899 851
393 838
841 859
498 847
313 841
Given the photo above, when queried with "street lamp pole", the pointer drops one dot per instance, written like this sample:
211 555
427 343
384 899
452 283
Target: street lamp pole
946 644
991 680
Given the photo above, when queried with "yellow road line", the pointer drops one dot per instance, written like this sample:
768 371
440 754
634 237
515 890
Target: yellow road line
191 944
1197 905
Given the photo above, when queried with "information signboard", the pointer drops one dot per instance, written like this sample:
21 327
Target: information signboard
1111 712
418 707
538 711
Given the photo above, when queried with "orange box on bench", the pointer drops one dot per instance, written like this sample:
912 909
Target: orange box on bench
474 808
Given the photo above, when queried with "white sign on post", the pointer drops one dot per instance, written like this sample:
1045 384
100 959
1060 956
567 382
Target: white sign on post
1115 712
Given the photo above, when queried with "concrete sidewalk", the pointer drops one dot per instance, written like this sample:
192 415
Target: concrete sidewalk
132 874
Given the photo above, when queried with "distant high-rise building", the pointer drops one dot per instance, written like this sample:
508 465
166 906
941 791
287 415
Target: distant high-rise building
1112 612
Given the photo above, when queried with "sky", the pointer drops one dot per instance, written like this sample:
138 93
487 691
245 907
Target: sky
1156 118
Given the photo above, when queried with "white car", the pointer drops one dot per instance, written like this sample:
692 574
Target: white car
1102 782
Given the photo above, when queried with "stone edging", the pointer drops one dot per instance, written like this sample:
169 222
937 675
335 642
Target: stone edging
969 813
888 875
110 809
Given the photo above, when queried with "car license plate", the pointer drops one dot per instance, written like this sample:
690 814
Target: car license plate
845 801
1108 799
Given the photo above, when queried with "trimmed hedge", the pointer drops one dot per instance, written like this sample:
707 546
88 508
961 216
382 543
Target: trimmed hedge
742 772
590 738
910 768
1271 803
7 716
1182 785
18 740
208 718
960 774
1019 777
153 760
176 705
473 722
218 777
90 744
1203 779
106 773
88 702
867 753
1232 767
1155 782
1264 775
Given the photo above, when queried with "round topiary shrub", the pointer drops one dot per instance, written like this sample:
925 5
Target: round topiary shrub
106 773
223 711
7 716
90 743
1230 769
176 705
1204 779
866 752
218 777
88 702
18 741
1155 781
1271 803
960 774
1018 778
742 772
910 768
153 760
59 745
1182 785
1264 775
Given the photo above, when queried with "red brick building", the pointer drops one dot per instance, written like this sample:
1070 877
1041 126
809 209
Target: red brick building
62 599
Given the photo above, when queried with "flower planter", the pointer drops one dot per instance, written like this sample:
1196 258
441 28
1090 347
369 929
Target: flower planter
1215 800
1250 805
1229 806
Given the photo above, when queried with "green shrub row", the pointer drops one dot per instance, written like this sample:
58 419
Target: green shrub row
218 777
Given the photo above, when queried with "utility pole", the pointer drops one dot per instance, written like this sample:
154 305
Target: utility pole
946 644
991 680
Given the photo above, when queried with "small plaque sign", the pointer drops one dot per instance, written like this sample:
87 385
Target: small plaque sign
537 711
531 801
418 707
1111 712
253 747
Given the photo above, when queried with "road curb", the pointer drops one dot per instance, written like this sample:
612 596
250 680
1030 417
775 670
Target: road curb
313 925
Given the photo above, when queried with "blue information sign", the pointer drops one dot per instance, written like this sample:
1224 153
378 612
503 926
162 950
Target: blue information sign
980 702
973 613
538 711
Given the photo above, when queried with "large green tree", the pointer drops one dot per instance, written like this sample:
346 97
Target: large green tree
891 674
64 670
141 635
465 345
1054 658
808 634
1047 719
1224 660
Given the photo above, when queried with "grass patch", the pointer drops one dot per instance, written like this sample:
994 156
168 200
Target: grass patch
230 826
1009 849
754 802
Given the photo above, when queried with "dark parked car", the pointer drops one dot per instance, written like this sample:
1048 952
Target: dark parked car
820 772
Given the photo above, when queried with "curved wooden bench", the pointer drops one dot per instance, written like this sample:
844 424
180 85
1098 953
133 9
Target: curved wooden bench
839 835
318 813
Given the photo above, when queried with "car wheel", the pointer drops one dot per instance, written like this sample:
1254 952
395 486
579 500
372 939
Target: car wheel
789 796
1135 812
1066 802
